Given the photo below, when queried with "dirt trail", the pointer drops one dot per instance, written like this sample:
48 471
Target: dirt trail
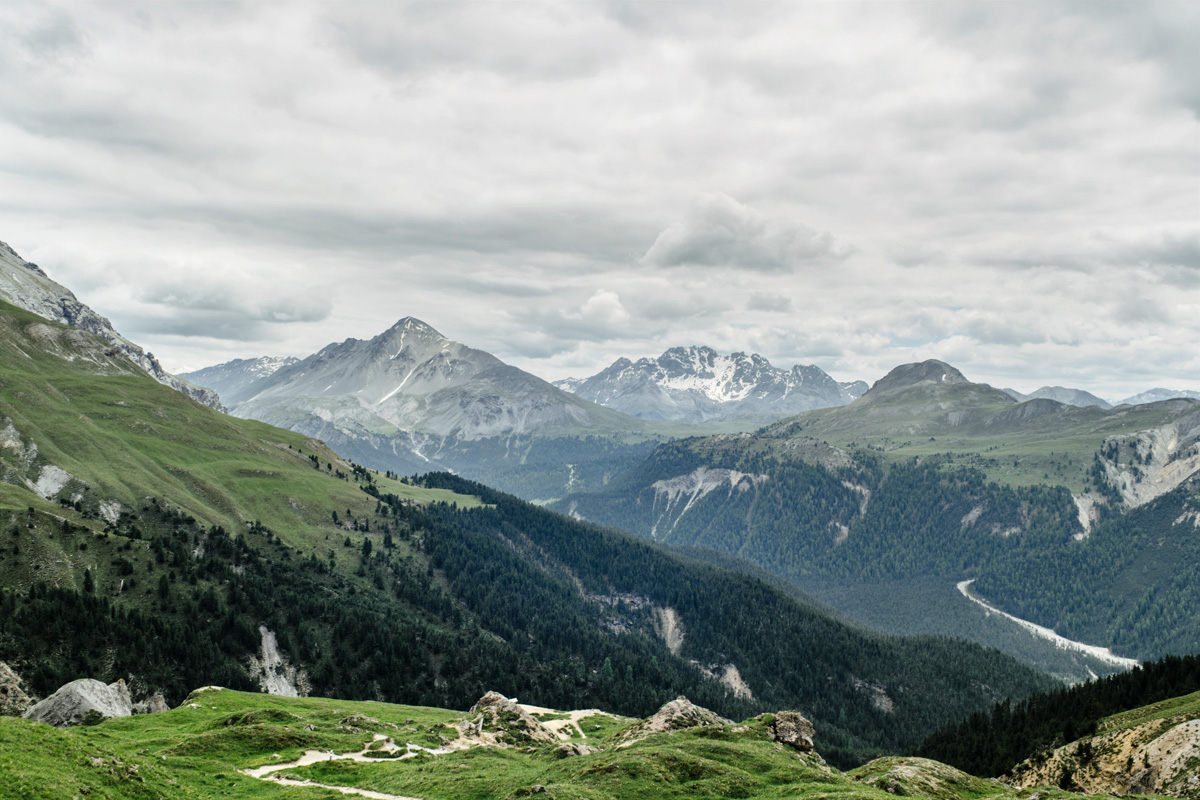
268 772
558 726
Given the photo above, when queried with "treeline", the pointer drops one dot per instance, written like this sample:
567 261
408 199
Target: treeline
991 744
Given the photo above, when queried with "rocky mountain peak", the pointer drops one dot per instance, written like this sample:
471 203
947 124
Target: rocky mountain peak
911 374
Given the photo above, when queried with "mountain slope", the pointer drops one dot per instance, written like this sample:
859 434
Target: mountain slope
697 384
1077 519
155 540
26 286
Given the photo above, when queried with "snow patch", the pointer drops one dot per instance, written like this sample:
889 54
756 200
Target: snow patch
1061 642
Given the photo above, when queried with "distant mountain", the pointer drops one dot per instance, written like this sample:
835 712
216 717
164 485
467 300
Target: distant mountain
27 286
1071 397
854 389
698 384
1155 395
410 400
231 378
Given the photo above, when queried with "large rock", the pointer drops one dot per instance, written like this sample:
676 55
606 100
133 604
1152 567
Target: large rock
154 704
676 715
13 700
791 728
83 701
497 720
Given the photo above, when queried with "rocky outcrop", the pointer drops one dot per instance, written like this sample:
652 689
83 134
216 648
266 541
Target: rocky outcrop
496 720
13 700
1160 757
27 286
153 704
792 729
84 701
679 714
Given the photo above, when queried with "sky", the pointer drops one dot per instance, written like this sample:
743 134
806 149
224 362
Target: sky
1011 187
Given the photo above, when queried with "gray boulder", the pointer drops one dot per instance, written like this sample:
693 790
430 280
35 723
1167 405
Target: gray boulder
792 729
151 705
83 701
13 700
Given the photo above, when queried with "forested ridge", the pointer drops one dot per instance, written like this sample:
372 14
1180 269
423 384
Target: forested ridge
1128 583
992 743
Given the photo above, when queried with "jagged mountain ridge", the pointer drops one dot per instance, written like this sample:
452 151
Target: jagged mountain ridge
698 384
410 400
27 286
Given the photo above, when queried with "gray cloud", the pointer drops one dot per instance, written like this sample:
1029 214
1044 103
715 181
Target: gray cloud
718 231
1018 181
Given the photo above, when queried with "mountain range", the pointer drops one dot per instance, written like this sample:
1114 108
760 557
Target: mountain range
411 400
697 384
151 539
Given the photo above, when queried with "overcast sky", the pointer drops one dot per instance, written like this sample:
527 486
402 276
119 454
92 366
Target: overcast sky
1011 187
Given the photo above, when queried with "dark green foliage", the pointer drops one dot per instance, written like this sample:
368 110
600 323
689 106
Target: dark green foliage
836 676
1130 585
991 744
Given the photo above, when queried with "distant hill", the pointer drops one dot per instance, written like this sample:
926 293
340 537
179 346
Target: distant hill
1158 395
1070 397
698 384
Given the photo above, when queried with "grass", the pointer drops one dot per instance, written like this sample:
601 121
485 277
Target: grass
200 749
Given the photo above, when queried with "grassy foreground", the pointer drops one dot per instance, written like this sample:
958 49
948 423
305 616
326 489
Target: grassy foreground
201 749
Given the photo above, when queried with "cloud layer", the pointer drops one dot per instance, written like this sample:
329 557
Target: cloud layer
1014 188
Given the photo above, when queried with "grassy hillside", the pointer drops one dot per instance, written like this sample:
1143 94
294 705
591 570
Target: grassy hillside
207 746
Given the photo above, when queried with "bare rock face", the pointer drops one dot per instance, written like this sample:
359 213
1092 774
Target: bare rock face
676 715
497 720
153 704
13 700
83 701
792 729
